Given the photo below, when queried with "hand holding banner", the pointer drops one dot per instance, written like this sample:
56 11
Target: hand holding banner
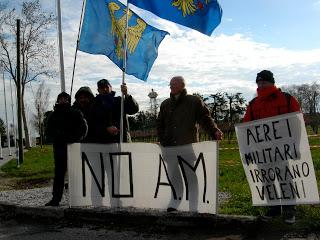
149 176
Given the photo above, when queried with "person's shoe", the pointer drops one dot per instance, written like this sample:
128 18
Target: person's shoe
171 209
52 203
266 218
270 214
290 219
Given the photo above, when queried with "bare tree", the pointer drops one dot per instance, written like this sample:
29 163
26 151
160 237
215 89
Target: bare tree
3 6
308 96
36 49
41 105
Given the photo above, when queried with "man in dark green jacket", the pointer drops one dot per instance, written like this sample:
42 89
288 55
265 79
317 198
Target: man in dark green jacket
179 116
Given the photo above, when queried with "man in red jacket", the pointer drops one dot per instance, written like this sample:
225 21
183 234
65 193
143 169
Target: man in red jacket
271 101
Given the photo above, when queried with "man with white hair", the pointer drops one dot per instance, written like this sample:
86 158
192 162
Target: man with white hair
179 116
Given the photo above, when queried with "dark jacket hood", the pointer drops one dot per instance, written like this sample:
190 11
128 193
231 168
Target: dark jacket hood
84 90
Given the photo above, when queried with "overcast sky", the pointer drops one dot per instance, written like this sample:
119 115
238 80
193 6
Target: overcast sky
282 36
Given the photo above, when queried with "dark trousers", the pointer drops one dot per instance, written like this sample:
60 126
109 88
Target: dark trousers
60 168
287 210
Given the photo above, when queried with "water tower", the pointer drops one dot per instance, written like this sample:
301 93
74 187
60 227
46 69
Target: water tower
153 102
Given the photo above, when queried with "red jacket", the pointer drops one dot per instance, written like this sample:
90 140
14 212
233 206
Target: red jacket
270 102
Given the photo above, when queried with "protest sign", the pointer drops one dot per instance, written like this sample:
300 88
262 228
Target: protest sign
144 175
276 158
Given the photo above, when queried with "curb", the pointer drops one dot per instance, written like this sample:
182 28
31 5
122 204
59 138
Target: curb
128 216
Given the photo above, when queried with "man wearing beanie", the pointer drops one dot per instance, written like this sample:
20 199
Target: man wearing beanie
65 125
107 113
271 101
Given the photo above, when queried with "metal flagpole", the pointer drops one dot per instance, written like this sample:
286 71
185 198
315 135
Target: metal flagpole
1 156
16 130
5 109
75 54
19 101
13 122
62 79
118 166
124 73
28 122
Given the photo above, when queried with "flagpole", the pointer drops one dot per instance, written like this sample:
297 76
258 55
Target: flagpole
124 72
62 79
12 110
6 113
77 46
1 156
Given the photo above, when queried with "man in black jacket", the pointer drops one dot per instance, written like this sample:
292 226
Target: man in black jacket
107 113
65 125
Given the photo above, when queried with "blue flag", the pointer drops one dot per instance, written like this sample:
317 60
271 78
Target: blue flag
103 31
201 15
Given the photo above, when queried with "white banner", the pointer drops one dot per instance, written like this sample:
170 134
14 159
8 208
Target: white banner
144 175
276 158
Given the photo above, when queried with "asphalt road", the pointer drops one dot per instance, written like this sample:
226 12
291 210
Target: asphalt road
6 155
33 230
36 230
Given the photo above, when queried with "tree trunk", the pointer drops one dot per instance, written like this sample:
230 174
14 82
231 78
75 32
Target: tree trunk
25 125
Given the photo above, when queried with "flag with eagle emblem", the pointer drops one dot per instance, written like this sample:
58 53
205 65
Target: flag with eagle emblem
103 30
201 15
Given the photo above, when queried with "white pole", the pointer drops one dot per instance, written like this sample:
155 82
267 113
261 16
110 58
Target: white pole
13 122
30 127
62 79
28 122
5 109
124 74
78 38
1 156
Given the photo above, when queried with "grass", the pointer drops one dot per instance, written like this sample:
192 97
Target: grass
232 179
36 170
38 167
314 140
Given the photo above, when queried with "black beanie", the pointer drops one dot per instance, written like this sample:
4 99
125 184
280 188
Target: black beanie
103 82
265 75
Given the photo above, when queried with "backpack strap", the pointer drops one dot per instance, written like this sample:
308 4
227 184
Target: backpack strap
251 110
288 97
